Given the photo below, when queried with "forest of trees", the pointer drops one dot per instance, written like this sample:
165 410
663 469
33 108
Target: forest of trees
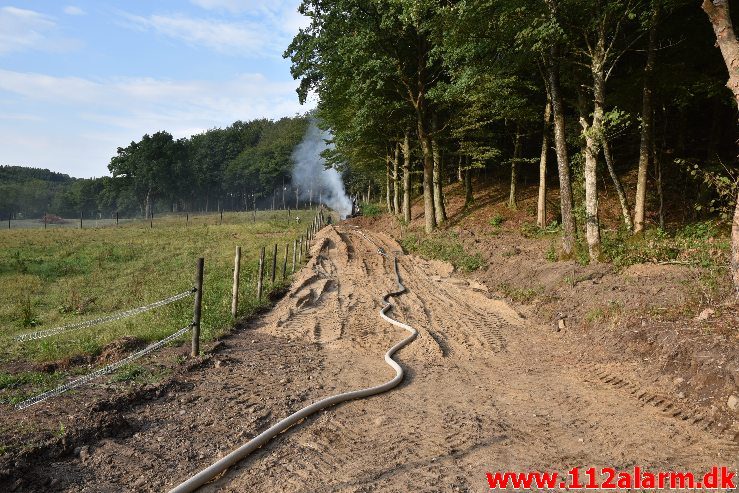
586 91
231 168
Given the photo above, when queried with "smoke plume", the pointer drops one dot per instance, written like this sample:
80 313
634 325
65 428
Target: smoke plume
311 177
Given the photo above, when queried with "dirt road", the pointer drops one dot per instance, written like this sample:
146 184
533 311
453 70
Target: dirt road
485 390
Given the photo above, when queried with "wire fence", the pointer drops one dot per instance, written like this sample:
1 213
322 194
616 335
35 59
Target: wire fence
94 221
301 246
102 371
42 334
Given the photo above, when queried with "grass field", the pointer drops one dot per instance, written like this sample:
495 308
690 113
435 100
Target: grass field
53 277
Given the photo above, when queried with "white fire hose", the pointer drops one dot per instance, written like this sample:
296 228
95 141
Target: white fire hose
242 452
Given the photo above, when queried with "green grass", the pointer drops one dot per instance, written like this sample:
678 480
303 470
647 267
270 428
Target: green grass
442 246
704 244
531 230
497 220
60 276
18 387
519 295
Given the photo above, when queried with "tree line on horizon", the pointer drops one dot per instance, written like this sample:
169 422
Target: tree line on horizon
587 92
234 167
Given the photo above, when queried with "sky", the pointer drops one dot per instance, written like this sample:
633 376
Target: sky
80 79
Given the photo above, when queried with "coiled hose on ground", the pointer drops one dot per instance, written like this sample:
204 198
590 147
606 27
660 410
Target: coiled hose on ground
242 452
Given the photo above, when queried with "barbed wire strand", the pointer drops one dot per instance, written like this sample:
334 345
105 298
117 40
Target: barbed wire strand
102 371
42 334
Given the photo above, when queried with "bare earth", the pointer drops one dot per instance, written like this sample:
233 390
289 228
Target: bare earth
485 390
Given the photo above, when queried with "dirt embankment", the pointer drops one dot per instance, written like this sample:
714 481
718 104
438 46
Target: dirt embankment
668 324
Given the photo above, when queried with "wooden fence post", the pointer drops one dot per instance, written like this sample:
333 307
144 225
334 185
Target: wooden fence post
116 218
197 308
260 276
274 264
80 219
284 262
295 252
300 250
235 290
45 219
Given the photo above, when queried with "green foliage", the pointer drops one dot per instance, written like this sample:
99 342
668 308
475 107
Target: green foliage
443 246
497 220
721 181
582 255
14 388
519 295
701 244
531 230
370 210
129 373
234 167
27 314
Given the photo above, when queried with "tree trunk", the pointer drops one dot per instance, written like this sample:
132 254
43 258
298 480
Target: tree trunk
593 138
592 226
406 178
428 179
541 206
469 198
718 13
396 183
658 182
460 176
148 204
735 247
563 163
388 185
625 212
514 164
647 125
439 209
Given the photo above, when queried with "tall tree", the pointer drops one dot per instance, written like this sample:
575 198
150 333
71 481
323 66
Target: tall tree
563 160
541 204
720 17
647 121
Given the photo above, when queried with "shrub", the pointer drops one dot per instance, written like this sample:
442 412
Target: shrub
370 210
444 247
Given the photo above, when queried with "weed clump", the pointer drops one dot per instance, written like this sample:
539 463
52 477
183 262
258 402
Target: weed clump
446 247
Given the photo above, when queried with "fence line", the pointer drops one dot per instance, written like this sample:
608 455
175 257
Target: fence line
102 371
42 334
194 326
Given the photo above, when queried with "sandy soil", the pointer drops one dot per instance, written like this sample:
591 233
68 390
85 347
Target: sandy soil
486 389
673 325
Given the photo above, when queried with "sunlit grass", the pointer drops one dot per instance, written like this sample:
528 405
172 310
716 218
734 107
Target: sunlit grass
57 276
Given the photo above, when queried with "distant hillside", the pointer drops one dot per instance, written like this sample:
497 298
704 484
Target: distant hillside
30 192
20 174
236 167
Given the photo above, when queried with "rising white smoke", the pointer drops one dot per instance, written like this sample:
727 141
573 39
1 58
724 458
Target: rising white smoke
311 177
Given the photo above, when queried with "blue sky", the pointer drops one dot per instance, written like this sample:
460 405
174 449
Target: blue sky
79 79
